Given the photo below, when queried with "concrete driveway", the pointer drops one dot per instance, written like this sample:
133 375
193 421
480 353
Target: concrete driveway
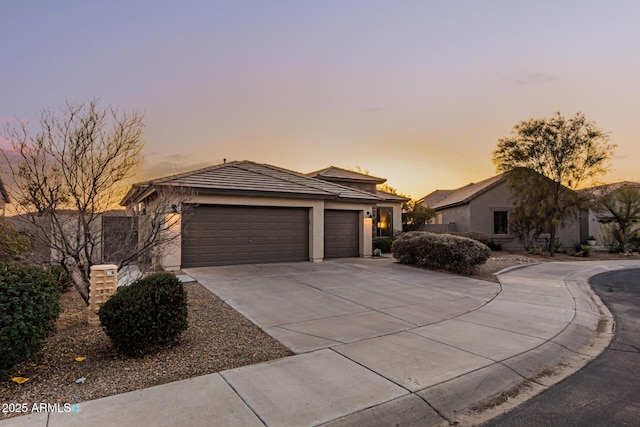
382 344
309 306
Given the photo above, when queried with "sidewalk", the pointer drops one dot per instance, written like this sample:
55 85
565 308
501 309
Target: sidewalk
539 325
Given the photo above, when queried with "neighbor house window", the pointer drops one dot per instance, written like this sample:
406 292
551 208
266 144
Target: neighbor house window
500 222
385 224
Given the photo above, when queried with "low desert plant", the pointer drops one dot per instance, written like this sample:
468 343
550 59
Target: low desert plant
383 243
61 275
634 242
12 244
537 250
440 251
495 246
148 314
559 247
582 250
29 308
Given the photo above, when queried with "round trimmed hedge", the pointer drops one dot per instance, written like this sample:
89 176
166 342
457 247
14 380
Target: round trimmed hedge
440 251
148 314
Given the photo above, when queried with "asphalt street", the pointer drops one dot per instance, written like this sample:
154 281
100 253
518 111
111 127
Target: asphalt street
607 391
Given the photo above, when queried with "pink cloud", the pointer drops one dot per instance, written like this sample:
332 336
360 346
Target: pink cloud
6 120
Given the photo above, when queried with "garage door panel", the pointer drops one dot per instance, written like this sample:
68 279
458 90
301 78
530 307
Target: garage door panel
341 234
223 235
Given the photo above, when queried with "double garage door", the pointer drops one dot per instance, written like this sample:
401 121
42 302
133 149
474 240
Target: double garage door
227 235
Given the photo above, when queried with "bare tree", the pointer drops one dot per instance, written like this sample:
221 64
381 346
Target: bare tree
68 169
147 231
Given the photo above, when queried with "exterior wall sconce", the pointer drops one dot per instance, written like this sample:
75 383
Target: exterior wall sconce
368 220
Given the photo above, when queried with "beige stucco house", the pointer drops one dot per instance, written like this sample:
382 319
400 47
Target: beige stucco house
484 206
245 212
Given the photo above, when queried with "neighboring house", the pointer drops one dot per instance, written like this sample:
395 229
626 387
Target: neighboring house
244 212
485 207
4 198
387 214
595 222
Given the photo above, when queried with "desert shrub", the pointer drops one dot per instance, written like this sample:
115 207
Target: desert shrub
12 244
495 246
61 276
634 242
582 250
440 251
559 247
29 308
383 243
148 314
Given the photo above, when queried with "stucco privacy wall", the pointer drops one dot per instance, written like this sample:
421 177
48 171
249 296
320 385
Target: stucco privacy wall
458 215
171 258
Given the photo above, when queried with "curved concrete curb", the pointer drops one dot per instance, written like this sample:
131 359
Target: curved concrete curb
587 335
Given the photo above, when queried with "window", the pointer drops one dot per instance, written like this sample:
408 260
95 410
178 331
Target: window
385 222
500 222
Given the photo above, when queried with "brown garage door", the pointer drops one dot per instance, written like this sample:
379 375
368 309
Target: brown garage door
225 235
341 234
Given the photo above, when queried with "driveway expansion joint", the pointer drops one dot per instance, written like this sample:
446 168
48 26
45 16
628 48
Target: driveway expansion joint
448 376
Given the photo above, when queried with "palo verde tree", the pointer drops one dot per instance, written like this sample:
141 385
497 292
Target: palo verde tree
567 152
621 208
67 169
531 214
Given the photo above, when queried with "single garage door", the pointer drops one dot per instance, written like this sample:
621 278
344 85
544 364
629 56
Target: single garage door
226 235
341 234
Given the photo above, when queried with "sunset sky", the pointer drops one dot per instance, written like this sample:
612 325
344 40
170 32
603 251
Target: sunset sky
418 92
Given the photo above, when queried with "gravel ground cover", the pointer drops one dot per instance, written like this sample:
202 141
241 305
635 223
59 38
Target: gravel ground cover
218 338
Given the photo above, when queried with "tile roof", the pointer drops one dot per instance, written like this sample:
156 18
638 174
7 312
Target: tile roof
440 199
603 189
388 197
246 176
336 173
435 197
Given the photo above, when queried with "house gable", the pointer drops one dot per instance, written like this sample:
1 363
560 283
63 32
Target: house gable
349 178
223 196
484 207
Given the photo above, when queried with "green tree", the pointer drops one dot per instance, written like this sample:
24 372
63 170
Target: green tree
567 152
416 214
528 219
622 210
